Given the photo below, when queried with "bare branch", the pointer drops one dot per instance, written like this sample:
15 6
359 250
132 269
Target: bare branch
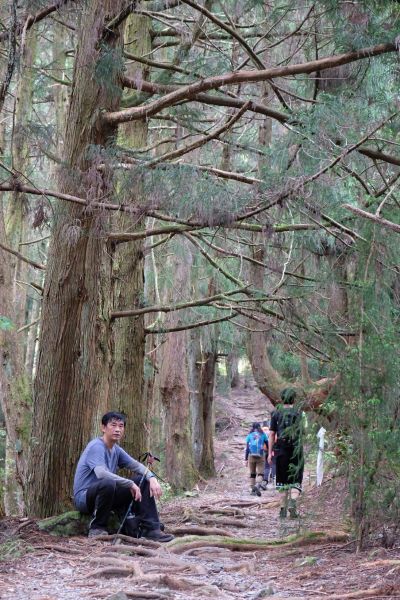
22 257
366 215
379 156
117 314
153 331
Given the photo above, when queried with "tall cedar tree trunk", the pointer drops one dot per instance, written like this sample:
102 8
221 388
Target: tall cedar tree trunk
179 467
195 362
209 362
128 280
201 373
13 388
17 402
232 369
74 357
267 379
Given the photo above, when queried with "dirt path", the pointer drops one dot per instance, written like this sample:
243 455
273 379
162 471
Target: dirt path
230 562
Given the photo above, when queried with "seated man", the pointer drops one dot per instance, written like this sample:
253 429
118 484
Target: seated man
98 489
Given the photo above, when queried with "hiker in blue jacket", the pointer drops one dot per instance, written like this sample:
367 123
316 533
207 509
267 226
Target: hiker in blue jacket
254 456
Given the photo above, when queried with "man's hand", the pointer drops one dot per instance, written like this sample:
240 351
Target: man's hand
155 488
270 459
136 493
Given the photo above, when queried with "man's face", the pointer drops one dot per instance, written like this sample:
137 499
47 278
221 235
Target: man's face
114 431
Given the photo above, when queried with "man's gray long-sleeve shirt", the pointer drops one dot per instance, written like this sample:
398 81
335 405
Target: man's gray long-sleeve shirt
98 461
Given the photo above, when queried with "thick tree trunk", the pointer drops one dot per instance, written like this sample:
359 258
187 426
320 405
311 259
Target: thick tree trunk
209 362
174 389
126 390
14 389
194 359
74 360
17 400
232 369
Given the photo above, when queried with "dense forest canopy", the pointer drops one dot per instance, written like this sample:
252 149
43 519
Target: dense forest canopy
186 183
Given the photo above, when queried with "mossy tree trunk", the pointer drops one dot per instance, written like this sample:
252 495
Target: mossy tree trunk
74 358
17 399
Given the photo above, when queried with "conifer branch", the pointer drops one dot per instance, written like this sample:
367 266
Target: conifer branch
209 99
39 16
201 142
191 90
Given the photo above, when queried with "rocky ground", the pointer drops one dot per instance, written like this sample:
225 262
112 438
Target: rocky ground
228 544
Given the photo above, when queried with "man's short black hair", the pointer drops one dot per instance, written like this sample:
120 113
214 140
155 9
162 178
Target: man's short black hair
113 415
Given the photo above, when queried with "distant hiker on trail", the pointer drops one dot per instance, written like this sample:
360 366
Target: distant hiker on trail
285 439
98 490
254 456
269 470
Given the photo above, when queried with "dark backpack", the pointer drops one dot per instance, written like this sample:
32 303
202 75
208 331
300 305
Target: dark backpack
289 423
256 443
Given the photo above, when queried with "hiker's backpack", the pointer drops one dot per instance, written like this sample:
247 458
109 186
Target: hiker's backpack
289 423
256 441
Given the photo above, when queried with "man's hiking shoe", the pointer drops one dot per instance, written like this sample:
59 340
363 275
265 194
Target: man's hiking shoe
263 485
283 512
96 531
255 491
156 535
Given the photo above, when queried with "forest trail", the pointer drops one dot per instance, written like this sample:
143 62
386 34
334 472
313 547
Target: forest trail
319 562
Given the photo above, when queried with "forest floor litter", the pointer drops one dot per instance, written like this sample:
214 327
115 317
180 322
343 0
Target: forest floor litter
228 544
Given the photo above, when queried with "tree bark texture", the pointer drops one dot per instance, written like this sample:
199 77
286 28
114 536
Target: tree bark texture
126 389
232 369
174 389
72 378
14 390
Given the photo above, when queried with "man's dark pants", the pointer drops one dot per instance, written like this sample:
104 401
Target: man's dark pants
105 496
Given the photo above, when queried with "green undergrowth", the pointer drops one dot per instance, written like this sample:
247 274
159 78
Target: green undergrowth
14 548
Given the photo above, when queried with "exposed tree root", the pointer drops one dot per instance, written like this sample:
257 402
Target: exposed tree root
111 561
112 572
130 550
177 583
193 530
175 563
384 562
386 590
234 512
56 548
180 545
128 540
142 595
